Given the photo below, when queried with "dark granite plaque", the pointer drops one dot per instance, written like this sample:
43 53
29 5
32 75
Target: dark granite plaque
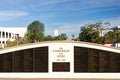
28 60
41 59
18 61
93 60
7 62
1 62
114 62
103 61
61 67
80 59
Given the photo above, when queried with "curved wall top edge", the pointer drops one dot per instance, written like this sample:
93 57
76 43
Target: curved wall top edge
48 43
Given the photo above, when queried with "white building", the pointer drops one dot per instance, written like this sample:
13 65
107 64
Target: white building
10 34
104 32
56 32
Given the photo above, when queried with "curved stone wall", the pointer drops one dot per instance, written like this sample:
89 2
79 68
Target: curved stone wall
51 57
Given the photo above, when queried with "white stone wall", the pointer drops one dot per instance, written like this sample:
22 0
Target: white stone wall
69 57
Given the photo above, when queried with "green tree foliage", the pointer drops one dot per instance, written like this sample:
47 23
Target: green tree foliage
48 38
116 34
26 39
35 31
91 32
63 36
11 43
57 38
111 35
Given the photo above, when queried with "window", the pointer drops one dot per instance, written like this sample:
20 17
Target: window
3 42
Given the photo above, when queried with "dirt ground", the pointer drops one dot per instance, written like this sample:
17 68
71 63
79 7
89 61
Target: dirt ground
52 79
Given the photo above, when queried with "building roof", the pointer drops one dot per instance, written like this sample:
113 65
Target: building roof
19 30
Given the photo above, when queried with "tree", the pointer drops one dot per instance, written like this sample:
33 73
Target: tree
63 36
26 39
85 32
111 35
91 32
57 38
35 31
48 38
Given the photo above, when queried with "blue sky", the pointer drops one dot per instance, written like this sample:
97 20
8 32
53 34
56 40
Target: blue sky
67 15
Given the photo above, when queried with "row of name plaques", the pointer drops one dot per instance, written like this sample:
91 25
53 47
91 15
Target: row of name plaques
93 60
36 60
29 60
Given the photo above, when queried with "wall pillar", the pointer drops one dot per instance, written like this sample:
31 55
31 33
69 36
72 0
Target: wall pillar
8 35
1 34
5 34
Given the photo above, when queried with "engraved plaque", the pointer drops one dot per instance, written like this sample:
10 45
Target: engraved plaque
61 67
7 62
41 59
93 60
80 59
114 62
103 61
28 60
1 62
18 61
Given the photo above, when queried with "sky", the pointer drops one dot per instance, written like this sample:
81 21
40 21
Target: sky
67 15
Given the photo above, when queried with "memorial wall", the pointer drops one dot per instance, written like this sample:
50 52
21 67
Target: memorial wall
69 58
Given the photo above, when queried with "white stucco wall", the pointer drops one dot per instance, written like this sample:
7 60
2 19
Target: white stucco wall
68 48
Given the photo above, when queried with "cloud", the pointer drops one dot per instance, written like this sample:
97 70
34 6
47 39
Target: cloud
99 3
7 15
12 2
52 2
13 13
91 5
43 4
